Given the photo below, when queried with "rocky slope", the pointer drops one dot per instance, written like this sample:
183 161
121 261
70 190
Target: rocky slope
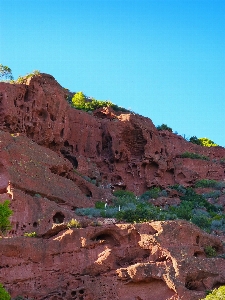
53 159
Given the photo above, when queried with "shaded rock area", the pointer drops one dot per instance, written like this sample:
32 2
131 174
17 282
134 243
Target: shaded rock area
54 159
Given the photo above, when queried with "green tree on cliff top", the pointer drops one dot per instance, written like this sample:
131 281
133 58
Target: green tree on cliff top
5 72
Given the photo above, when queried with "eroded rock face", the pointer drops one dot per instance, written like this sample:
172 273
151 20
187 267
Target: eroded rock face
144 261
53 159
35 179
117 150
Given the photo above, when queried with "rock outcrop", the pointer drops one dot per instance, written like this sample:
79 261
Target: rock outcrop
144 261
54 159
121 150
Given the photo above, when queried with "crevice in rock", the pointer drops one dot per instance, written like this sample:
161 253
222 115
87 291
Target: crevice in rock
38 194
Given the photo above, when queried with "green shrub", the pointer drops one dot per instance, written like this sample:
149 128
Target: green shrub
73 223
210 251
202 141
124 197
164 127
142 213
195 140
5 213
80 101
30 234
207 183
213 194
202 221
89 211
207 142
100 205
5 72
4 295
193 156
152 193
216 294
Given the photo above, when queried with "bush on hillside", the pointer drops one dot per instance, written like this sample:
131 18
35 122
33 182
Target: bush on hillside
4 295
202 141
207 142
193 155
164 127
5 213
80 101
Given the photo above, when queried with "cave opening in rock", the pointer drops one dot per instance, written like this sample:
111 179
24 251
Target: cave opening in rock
58 218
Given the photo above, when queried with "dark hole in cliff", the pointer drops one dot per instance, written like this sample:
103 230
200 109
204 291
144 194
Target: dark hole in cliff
73 160
89 194
197 239
73 293
53 118
52 144
35 224
85 190
62 133
107 238
58 218
198 254
43 114
81 292
69 147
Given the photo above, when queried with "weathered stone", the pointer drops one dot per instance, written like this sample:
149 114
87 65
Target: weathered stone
144 261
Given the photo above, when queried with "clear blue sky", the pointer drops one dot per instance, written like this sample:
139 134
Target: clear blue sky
163 59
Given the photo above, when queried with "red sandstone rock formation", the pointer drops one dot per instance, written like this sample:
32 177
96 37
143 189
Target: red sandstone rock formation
54 158
144 261
118 150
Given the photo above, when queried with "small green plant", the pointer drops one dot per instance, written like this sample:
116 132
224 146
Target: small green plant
73 223
216 294
164 127
100 205
210 183
30 234
210 251
4 295
5 213
193 156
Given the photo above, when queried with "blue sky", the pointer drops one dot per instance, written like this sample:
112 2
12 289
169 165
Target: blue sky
163 59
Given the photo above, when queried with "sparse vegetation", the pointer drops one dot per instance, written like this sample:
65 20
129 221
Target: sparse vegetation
193 208
5 213
23 79
73 223
82 102
202 141
30 234
193 156
164 127
210 183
